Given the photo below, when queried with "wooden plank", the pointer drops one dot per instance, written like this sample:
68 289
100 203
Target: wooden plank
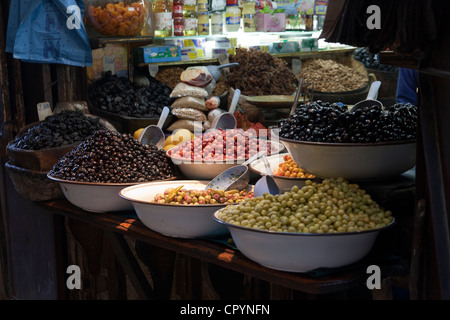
211 252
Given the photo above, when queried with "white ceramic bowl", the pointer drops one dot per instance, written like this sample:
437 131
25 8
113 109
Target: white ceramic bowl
95 197
174 220
205 170
302 252
353 161
284 183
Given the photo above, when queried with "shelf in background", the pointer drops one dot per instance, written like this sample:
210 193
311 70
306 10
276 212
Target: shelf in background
101 42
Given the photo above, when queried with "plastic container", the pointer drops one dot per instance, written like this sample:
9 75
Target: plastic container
178 20
232 16
249 15
115 18
217 22
162 11
203 23
190 17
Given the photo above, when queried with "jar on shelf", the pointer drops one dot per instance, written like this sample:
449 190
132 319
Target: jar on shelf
249 15
162 9
217 22
232 16
113 18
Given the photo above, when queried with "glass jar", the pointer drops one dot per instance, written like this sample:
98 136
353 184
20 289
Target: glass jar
232 16
190 17
249 15
217 22
113 18
162 9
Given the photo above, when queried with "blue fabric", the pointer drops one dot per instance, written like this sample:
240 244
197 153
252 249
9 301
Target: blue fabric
38 31
407 86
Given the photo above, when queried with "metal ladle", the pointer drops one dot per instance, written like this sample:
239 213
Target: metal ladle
153 134
266 184
370 100
236 177
227 120
215 71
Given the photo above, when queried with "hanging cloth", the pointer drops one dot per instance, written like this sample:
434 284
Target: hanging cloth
48 31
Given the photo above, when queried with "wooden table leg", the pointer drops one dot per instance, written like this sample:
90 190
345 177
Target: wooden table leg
130 265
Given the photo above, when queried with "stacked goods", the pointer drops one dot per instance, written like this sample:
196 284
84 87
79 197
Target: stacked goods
118 95
111 157
61 129
260 73
334 123
193 100
331 76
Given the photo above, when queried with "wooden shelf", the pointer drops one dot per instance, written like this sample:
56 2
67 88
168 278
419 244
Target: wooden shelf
101 42
398 60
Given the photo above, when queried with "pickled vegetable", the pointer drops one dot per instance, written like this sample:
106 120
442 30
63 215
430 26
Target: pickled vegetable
332 206
197 197
288 168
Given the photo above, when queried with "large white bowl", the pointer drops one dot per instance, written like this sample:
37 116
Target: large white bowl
95 197
302 252
353 161
206 170
284 183
174 220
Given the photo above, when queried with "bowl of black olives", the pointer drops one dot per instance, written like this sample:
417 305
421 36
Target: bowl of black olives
93 173
329 141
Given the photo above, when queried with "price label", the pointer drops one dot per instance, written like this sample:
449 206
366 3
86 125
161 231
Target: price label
109 64
153 69
44 110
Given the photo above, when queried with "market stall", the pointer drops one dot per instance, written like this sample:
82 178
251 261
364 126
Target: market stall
141 220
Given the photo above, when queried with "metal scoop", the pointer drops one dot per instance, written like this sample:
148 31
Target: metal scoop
371 98
154 134
227 120
236 177
266 184
215 71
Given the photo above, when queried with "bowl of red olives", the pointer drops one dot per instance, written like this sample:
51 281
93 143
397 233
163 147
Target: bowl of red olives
330 141
181 208
208 155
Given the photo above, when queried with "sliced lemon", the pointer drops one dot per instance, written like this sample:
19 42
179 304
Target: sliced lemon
137 133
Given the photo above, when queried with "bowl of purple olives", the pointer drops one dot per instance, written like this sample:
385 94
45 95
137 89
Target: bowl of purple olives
330 141
93 173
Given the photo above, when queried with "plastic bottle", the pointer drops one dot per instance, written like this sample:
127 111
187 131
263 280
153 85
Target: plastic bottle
190 17
232 16
217 22
178 20
249 15
203 17
162 11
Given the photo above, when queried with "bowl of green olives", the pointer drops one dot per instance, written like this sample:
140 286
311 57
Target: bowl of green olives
329 224
181 208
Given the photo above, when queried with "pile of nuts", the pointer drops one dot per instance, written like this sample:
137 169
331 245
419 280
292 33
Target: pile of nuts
61 129
331 76
112 157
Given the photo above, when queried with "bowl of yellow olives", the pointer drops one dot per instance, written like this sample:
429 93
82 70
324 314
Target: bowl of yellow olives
327 224
182 208
286 172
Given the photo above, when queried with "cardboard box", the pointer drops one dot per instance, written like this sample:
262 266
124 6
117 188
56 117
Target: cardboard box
158 53
270 22
309 44
188 53
284 47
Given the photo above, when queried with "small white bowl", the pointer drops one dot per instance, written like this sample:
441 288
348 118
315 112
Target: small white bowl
95 197
302 252
353 161
174 220
284 183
